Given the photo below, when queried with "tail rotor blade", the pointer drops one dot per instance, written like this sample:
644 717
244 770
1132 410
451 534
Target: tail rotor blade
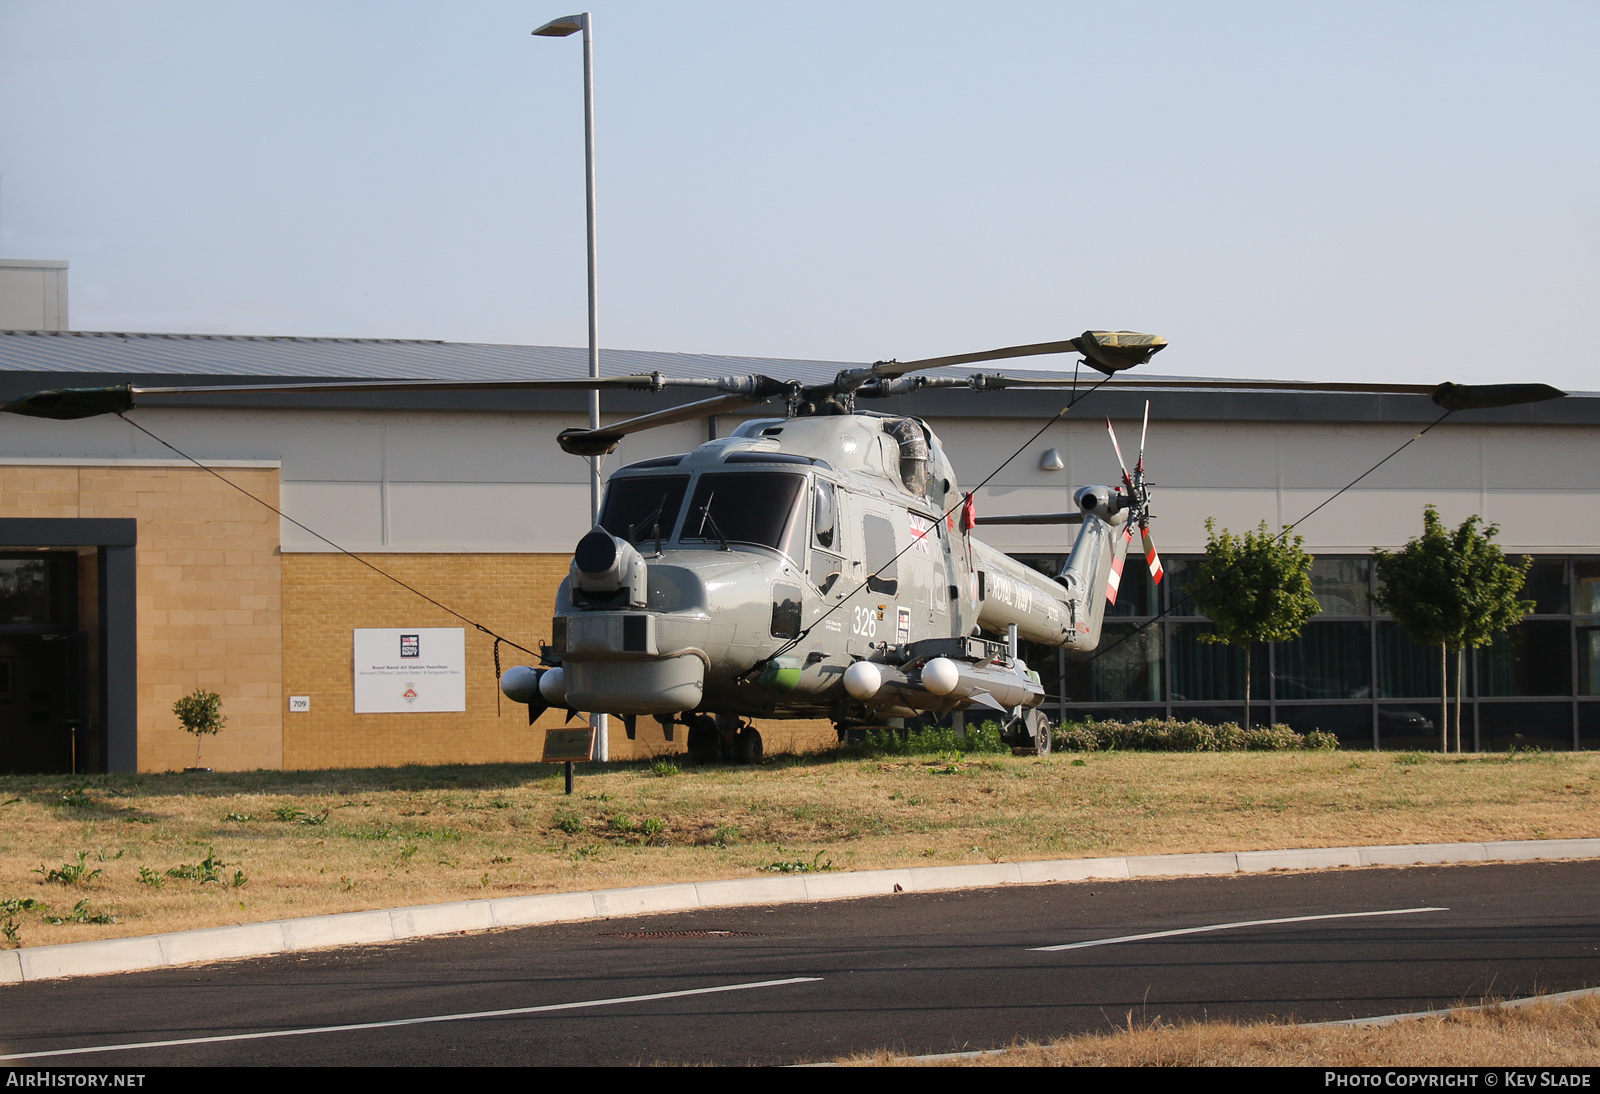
1143 433
1151 558
1126 478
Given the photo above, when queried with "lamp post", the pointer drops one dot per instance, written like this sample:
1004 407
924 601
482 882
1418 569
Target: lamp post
561 28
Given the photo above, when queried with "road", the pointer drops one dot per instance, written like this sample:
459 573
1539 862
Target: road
916 972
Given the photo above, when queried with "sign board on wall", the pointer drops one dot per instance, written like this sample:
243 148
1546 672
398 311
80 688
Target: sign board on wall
410 670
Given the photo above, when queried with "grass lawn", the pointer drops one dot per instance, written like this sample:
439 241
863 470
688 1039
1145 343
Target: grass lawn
1548 1033
163 852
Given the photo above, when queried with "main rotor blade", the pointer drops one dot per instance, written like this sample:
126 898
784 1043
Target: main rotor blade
1448 396
597 442
335 387
1035 518
1481 396
70 403
999 380
1107 350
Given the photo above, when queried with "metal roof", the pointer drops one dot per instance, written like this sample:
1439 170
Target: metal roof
359 358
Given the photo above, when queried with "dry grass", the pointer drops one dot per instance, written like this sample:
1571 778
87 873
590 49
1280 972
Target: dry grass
303 843
1542 1034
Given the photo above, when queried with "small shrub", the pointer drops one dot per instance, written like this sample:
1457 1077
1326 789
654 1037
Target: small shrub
664 768
621 822
80 914
76 798
70 873
801 866
11 930
381 832
200 713
150 877
295 815
1273 739
932 739
208 871
1162 735
653 827
570 823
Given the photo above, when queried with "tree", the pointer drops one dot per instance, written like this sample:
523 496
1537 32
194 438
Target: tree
200 712
1452 590
1254 588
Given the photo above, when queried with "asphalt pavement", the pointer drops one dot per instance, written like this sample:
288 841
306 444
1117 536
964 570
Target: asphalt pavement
913 972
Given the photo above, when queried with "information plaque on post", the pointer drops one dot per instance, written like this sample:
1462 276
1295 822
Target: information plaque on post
565 746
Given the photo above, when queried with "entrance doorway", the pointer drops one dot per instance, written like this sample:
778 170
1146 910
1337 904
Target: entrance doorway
68 695
45 694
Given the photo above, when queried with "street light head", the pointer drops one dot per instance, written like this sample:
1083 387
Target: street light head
560 28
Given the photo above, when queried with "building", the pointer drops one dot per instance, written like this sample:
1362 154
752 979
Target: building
129 575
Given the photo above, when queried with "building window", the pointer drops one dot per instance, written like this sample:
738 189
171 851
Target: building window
1531 658
1352 671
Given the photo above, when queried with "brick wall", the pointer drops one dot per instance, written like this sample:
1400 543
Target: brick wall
327 596
219 607
209 605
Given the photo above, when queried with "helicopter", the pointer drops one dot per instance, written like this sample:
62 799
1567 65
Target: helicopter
814 566
818 564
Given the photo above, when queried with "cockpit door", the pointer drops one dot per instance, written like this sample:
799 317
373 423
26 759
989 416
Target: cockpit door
825 566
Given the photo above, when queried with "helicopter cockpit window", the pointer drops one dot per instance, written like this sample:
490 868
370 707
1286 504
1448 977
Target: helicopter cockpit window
826 562
825 517
882 559
745 507
643 509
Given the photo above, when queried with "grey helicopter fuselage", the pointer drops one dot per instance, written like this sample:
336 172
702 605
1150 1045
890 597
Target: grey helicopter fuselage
752 575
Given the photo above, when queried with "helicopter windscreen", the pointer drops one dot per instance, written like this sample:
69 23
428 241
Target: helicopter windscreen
758 507
643 508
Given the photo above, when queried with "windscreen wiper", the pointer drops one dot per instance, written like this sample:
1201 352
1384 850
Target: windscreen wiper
707 518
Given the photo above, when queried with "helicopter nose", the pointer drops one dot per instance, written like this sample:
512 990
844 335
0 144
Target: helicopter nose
596 553
603 565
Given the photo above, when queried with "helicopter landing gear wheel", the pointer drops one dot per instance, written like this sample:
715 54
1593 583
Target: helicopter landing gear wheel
747 746
1039 728
705 739
1029 735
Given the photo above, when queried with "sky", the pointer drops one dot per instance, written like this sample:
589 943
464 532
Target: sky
1382 191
